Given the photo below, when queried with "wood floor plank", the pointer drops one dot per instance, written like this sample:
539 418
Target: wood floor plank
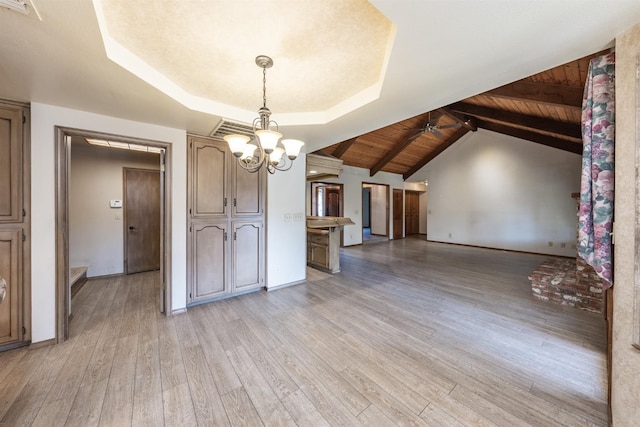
374 417
393 408
267 404
302 410
207 404
220 367
325 399
178 407
240 410
117 408
87 406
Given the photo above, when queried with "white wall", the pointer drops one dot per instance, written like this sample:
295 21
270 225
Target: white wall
43 265
96 233
626 359
379 200
501 192
286 241
424 206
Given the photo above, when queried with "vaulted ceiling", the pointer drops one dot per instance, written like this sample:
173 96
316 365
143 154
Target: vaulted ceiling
544 108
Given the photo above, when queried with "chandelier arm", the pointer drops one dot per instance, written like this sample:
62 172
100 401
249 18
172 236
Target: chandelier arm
286 161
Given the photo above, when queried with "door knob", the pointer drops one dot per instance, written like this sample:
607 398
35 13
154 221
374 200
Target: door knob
131 227
3 289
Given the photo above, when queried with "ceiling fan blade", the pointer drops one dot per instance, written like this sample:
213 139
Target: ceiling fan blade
452 126
435 131
415 135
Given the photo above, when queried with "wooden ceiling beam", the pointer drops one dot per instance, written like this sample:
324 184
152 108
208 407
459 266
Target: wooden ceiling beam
549 141
393 153
432 155
542 93
343 147
532 122
465 121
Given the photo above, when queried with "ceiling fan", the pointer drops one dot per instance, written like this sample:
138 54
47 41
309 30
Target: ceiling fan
434 128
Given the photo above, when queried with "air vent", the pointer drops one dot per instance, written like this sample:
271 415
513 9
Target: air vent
226 127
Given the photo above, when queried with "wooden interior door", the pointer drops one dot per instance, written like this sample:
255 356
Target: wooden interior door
142 220
398 213
412 212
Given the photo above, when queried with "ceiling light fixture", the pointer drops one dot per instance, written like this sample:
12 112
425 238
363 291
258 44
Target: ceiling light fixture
124 145
270 154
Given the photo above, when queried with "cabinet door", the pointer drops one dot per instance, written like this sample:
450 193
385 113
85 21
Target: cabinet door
247 191
10 289
248 247
209 162
10 165
208 262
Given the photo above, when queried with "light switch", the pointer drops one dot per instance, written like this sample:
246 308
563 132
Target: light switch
115 203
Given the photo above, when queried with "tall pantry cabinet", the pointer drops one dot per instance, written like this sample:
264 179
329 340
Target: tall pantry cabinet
15 249
225 248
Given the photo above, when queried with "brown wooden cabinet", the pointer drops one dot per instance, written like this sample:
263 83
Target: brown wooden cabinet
15 297
226 223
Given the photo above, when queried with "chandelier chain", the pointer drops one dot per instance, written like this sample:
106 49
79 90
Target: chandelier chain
264 87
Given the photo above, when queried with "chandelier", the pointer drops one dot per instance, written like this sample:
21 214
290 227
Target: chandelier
268 150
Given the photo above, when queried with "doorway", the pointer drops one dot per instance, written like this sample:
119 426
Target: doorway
326 199
63 147
375 212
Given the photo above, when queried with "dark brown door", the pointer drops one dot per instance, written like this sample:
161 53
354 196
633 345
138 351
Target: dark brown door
412 212
332 202
142 220
397 213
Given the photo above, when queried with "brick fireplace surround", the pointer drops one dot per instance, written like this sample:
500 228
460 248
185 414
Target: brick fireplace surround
568 281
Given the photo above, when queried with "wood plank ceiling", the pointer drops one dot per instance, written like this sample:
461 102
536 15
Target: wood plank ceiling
544 108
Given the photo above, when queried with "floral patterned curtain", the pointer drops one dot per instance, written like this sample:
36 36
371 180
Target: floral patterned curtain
595 215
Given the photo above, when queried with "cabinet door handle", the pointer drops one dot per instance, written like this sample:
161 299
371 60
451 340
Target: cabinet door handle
3 289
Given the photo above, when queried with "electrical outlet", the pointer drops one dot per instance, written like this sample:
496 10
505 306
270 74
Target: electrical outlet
563 245
298 217
550 244
288 217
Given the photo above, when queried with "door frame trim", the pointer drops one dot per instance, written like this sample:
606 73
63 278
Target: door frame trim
62 181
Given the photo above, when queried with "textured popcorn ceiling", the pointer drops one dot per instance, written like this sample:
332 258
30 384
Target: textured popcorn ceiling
329 56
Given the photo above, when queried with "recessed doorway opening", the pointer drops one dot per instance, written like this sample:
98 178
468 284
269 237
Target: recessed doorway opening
78 238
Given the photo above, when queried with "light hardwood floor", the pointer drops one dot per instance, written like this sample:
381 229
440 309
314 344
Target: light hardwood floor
410 332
